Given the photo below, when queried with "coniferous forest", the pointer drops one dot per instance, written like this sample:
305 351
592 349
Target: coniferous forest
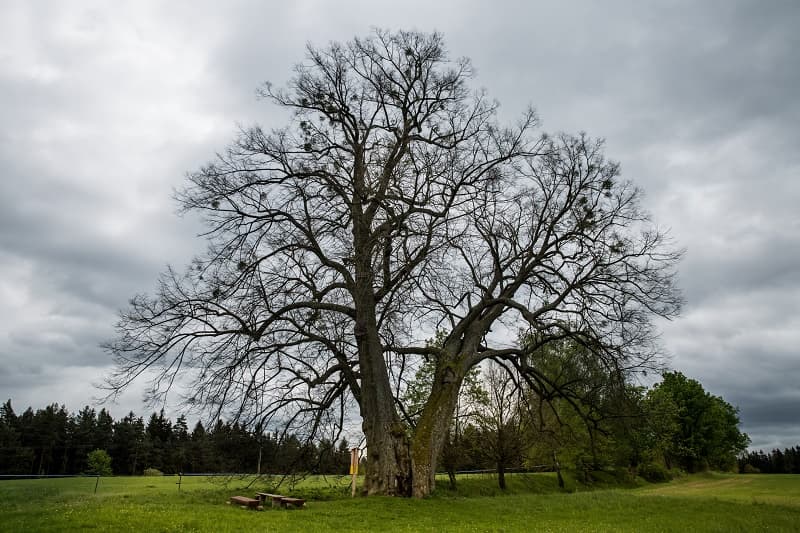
774 462
55 441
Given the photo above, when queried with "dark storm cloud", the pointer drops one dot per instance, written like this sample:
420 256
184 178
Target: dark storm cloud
771 261
768 438
67 230
105 108
94 137
763 411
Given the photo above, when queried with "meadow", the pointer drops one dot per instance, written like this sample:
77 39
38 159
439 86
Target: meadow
533 502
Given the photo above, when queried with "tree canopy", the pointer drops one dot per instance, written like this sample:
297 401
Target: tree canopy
392 206
707 433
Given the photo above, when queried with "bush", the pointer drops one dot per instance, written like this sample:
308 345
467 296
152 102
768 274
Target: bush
610 477
602 477
654 473
153 472
583 468
750 469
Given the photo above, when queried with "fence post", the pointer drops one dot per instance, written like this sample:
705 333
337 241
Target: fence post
353 470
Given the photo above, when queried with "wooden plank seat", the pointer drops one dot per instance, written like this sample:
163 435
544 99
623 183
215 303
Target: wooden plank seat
244 501
297 502
280 500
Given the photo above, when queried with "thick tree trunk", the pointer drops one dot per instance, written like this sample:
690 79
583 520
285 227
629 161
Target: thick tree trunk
395 466
388 470
388 463
431 431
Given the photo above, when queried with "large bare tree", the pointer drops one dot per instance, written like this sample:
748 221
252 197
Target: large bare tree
394 206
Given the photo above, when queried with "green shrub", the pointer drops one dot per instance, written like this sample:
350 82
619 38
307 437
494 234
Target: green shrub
654 473
583 468
602 477
153 472
624 476
750 469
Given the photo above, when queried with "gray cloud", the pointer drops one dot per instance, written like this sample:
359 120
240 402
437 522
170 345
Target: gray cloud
105 107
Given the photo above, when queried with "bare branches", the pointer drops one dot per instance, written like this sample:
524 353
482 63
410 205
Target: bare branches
391 207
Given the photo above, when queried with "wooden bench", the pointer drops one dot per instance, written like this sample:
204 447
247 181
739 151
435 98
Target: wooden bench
279 500
244 501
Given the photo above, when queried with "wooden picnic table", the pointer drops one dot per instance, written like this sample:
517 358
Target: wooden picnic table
280 500
244 501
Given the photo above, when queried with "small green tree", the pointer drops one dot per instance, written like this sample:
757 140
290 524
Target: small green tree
99 463
577 405
500 420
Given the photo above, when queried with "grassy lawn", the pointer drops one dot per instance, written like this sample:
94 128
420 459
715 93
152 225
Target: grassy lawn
710 502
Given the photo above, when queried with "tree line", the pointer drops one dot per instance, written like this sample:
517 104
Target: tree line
774 462
54 441
499 423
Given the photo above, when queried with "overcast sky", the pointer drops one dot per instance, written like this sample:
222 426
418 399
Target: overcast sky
104 106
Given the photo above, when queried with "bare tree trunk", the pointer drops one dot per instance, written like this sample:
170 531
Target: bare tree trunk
557 467
451 474
431 432
451 454
501 474
388 469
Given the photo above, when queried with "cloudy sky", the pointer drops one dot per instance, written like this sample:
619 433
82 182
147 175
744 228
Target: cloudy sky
106 105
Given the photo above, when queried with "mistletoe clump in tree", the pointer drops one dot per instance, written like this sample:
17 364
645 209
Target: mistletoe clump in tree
394 205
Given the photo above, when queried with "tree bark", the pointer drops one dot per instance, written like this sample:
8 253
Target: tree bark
432 427
388 469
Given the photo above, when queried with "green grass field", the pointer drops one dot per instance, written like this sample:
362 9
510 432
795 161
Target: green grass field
708 502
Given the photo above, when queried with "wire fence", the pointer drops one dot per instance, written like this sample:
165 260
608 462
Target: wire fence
528 470
50 476
229 476
215 477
